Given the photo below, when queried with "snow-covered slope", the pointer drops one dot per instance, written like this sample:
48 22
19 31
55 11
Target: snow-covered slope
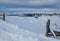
10 32
36 25
29 23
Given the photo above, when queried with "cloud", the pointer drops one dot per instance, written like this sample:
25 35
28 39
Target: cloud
29 10
42 2
28 2
31 3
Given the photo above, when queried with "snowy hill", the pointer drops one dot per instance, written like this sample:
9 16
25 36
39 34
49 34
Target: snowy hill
28 23
35 25
10 32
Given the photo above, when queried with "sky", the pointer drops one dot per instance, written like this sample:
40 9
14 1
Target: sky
54 4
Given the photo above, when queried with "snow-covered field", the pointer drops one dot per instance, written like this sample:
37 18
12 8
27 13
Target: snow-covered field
17 28
10 32
28 23
36 25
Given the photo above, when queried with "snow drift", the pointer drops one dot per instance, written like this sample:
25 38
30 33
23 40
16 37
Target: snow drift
10 32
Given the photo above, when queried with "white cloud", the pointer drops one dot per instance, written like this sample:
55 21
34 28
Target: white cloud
29 10
28 2
42 2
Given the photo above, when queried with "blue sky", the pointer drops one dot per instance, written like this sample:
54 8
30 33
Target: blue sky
53 4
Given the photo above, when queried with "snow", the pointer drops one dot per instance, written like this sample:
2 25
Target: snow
29 23
55 24
10 32
17 28
36 25
53 33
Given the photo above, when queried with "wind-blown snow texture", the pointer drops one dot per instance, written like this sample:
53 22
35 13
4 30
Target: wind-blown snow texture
17 28
28 23
10 32
36 25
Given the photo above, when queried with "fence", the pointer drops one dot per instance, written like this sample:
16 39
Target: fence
2 16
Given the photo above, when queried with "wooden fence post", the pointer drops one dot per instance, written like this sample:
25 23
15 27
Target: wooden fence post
3 16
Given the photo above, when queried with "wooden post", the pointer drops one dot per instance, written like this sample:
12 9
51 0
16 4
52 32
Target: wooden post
3 16
48 27
48 30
